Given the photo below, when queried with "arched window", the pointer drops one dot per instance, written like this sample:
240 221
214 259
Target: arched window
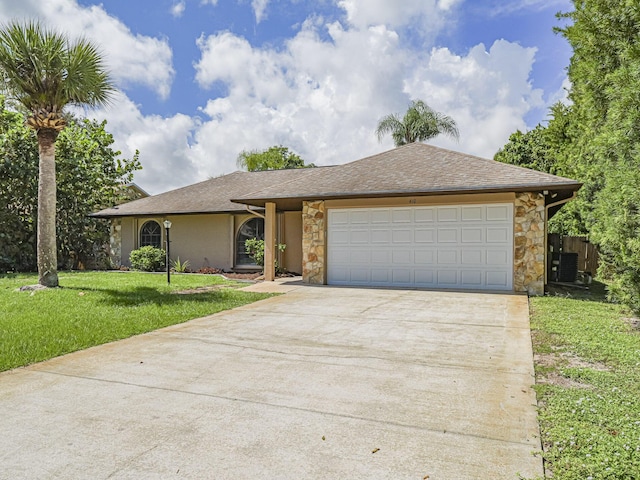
151 234
252 228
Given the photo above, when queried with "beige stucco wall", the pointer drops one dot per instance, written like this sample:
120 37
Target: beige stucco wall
205 240
291 236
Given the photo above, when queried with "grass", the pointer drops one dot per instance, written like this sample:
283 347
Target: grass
588 384
92 308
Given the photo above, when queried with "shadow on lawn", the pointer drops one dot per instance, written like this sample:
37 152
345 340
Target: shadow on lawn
148 295
596 292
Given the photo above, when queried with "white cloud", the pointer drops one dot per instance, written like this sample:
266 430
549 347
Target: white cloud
132 59
178 9
502 7
429 15
163 142
259 8
324 98
488 93
321 93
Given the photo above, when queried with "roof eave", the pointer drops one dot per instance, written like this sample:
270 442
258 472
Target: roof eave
260 202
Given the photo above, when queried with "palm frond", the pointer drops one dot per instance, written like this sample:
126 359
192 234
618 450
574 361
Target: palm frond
44 71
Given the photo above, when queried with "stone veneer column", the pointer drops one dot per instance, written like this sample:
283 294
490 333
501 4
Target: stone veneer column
313 243
528 264
115 242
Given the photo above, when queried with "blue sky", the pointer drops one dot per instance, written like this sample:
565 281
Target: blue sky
201 80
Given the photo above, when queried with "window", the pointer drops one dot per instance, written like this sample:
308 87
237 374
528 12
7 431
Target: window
151 234
253 228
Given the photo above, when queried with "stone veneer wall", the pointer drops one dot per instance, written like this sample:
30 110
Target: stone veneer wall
528 264
115 242
313 243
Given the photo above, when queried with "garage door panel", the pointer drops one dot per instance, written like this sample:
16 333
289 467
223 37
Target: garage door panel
424 257
498 235
381 257
449 246
360 275
447 257
340 237
497 258
448 235
500 213
402 236
447 278
359 217
472 257
472 214
380 216
472 235
361 257
339 217
402 257
380 276
424 235
497 279
402 276
424 277
471 278
424 215
448 214
381 236
359 236
402 215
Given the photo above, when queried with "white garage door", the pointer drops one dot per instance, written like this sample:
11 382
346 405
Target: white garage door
453 246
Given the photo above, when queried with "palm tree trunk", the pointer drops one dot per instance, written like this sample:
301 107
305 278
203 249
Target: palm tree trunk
46 249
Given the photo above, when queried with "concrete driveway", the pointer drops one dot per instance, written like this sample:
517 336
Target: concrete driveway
319 383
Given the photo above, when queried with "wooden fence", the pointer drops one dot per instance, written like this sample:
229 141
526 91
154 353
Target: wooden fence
588 257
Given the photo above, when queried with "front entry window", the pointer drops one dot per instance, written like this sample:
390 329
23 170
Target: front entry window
253 228
150 234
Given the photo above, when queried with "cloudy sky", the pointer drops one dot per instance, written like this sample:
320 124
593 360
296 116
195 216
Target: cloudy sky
201 80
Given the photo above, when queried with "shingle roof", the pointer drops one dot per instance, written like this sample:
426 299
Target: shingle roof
413 169
210 196
410 170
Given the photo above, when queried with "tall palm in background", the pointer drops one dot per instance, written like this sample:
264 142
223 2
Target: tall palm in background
43 71
419 124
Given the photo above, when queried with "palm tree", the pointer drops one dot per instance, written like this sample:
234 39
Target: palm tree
419 124
43 71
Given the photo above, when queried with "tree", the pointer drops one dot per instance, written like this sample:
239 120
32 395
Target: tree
596 139
420 123
91 176
43 71
273 158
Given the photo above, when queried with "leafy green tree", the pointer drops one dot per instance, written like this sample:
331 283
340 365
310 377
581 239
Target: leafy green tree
44 71
419 124
530 150
91 176
273 158
596 139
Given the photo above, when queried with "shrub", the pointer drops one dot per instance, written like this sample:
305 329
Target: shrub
255 249
148 259
181 267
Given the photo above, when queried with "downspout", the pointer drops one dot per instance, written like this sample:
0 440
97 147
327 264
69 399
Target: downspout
253 212
546 233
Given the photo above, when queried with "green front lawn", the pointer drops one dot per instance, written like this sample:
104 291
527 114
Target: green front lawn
92 308
588 384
